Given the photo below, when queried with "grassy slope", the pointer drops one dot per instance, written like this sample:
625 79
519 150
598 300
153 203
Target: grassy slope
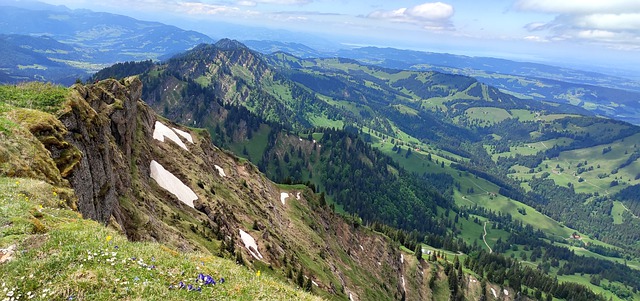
60 256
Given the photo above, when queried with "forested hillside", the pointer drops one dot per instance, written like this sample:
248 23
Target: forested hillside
484 170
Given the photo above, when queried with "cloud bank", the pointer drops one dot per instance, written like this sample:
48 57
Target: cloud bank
613 23
430 15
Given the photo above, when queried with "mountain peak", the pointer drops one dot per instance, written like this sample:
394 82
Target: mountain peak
229 44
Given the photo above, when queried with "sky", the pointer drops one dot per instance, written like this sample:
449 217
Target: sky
599 33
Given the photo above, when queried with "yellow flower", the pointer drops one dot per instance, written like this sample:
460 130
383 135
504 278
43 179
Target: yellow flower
109 238
17 182
258 273
55 194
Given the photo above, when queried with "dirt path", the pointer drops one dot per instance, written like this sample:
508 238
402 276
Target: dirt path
484 238
625 208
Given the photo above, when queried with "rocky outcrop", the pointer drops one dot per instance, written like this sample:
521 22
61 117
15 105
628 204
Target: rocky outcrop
101 121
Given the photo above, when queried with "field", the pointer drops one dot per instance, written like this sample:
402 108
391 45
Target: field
593 169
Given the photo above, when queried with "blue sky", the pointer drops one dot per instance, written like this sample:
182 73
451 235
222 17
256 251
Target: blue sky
582 32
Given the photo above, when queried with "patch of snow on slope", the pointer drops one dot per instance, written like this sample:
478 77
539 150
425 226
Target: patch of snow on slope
404 288
184 134
402 258
250 244
298 195
220 171
494 293
172 184
506 292
283 197
161 131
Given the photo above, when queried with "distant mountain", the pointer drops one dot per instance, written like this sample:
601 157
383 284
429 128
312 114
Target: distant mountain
87 40
26 58
296 49
605 95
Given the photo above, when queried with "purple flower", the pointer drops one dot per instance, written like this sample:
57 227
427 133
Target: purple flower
208 280
181 284
221 280
190 287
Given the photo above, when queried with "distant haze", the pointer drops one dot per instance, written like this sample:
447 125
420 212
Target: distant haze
595 35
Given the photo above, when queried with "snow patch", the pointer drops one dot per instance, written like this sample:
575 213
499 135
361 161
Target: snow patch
314 283
283 197
404 288
172 184
250 244
161 131
184 134
379 263
402 258
350 297
361 248
506 292
494 293
220 171
298 196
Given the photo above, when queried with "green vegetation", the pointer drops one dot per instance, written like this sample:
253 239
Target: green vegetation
59 255
521 166
34 95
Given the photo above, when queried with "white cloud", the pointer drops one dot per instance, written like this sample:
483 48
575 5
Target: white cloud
613 23
629 21
280 2
578 6
198 8
536 39
431 15
431 11
596 34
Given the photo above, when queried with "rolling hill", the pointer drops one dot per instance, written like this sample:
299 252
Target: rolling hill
467 141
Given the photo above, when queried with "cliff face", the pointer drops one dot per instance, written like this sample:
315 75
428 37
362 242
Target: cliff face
101 122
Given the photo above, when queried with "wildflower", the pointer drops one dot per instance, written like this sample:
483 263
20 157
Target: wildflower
258 273
221 280
109 238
